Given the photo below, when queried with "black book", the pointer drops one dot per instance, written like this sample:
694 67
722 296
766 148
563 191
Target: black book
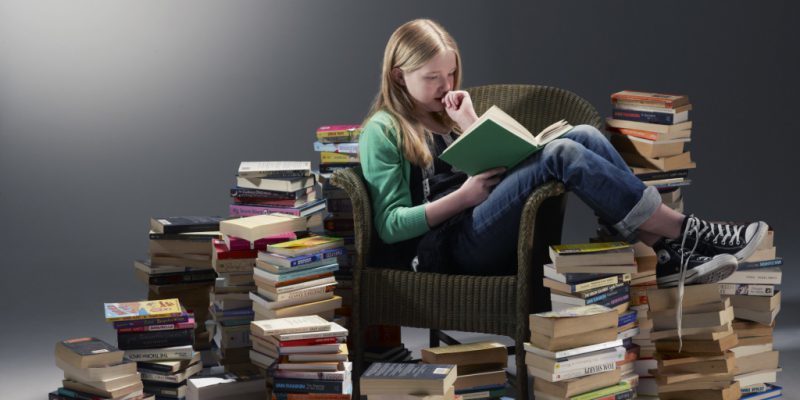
184 224
183 277
88 352
269 194
286 385
156 339
652 176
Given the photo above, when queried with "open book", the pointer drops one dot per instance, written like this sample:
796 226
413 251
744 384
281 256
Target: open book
498 140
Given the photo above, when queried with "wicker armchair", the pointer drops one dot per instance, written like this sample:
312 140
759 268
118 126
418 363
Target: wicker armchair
486 304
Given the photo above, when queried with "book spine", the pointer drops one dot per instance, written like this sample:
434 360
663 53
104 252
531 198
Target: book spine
190 324
587 362
587 370
267 194
310 396
600 283
71 394
155 367
274 174
330 168
284 385
152 321
731 289
192 277
238 210
156 377
159 354
146 340
299 294
683 173
644 116
302 260
309 342
329 376
299 274
627 318
744 266
610 296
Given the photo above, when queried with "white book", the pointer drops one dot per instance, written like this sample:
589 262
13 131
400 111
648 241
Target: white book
744 351
268 304
178 377
161 354
336 330
300 293
764 376
277 326
257 169
226 387
572 352
573 373
760 276
302 285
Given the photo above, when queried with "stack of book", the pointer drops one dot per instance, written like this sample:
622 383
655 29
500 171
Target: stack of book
390 381
296 278
591 273
180 266
756 300
268 187
95 369
481 367
158 335
304 355
337 146
651 131
641 281
576 353
699 364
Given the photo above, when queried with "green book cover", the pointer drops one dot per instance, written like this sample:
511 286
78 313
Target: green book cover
497 140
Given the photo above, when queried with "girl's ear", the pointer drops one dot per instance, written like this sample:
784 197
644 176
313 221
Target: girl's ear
397 74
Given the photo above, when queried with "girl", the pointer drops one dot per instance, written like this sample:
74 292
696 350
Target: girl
423 207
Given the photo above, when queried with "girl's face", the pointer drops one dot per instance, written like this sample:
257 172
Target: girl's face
429 83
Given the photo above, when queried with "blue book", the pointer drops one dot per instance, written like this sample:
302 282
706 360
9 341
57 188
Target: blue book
626 318
743 266
270 276
320 258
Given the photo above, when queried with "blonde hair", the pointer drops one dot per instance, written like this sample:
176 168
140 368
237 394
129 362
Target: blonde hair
411 46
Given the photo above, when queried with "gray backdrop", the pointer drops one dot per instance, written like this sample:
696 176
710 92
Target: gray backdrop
112 112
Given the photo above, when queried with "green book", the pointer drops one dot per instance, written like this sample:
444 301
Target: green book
498 140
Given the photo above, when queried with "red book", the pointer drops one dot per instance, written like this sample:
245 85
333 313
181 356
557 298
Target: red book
161 327
309 342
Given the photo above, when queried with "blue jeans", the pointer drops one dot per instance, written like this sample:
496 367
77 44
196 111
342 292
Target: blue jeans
587 164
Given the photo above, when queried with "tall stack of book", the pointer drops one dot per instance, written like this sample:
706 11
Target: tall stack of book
231 307
95 369
753 291
651 131
268 187
574 353
337 146
158 335
641 281
699 364
481 367
391 381
304 355
180 266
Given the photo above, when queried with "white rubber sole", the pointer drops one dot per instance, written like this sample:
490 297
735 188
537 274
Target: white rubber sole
719 268
755 241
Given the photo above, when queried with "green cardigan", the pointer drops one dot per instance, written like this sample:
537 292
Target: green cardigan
387 174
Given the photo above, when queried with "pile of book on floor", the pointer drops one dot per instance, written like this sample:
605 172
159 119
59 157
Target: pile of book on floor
158 335
753 292
305 356
267 187
641 281
695 361
481 372
95 369
180 266
651 131
578 353
389 381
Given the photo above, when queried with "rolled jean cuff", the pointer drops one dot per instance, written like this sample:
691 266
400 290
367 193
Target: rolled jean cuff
641 212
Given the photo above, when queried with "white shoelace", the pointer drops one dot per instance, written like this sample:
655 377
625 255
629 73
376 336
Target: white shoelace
691 223
719 233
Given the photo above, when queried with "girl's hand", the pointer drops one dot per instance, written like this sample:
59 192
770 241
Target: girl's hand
477 188
458 105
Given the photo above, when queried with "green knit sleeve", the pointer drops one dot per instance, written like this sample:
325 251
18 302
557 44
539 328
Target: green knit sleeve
387 174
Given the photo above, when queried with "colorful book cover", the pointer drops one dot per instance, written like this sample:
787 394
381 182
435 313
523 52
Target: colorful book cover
142 310
584 248
307 243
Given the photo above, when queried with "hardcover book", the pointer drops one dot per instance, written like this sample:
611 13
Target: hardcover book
498 140
264 169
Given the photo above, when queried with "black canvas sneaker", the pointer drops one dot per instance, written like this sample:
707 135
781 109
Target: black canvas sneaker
698 269
712 238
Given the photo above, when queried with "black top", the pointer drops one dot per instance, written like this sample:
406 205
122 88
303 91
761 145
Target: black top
440 180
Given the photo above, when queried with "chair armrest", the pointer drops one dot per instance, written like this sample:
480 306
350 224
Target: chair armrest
350 180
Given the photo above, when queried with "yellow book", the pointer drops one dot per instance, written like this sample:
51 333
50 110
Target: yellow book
311 244
142 310
327 157
588 247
